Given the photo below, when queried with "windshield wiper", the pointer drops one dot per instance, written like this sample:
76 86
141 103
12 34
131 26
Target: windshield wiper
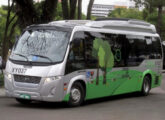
43 57
22 56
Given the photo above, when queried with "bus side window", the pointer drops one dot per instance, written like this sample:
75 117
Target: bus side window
91 61
157 47
137 50
76 57
149 48
117 43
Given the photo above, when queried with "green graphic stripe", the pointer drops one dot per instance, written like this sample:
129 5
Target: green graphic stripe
118 82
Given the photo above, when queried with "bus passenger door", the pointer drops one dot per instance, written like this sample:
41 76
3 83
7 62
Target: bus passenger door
123 80
76 65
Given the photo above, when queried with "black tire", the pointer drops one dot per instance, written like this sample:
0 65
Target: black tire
146 87
23 101
76 89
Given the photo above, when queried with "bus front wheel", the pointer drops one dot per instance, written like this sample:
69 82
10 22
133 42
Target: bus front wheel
77 95
146 87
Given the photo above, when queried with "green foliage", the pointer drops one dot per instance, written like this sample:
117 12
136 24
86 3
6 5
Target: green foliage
96 45
3 14
1 80
2 25
149 4
97 42
101 55
102 51
109 58
154 13
151 17
146 15
105 55
59 12
126 13
93 17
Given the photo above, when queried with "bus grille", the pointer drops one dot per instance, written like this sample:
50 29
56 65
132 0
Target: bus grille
27 79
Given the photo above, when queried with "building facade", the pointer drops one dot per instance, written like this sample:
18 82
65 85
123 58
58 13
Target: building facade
99 10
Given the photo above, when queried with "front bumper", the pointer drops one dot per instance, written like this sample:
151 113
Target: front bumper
51 92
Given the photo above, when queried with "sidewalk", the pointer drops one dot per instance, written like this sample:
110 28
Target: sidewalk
2 92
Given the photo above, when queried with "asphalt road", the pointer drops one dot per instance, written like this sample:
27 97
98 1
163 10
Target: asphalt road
125 107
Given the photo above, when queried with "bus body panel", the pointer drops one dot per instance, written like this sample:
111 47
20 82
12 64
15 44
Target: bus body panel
123 80
51 91
119 80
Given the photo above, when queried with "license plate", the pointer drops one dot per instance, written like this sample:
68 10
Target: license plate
25 96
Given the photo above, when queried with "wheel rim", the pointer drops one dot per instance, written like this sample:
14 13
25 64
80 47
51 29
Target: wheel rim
76 95
146 86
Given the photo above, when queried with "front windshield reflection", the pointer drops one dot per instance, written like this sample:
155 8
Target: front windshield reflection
41 46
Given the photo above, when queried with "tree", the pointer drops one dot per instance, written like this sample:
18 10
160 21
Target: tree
96 44
10 23
148 4
69 8
146 15
79 9
49 10
102 51
28 14
126 13
65 9
59 14
159 4
89 9
106 59
3 15
73 4
2 26
25 13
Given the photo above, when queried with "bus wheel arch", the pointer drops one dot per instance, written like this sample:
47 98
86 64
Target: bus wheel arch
83 84
146 84
150 77
77 93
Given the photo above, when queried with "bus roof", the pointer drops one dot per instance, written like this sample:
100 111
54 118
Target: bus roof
107 23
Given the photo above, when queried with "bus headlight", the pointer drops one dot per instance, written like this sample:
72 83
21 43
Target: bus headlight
50 79
9 76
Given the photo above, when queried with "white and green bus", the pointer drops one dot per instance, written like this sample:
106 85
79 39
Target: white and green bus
76 60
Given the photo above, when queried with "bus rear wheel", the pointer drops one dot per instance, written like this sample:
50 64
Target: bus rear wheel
23 101
146 87
77 95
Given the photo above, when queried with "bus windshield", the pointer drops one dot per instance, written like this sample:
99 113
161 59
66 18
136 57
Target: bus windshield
48 46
